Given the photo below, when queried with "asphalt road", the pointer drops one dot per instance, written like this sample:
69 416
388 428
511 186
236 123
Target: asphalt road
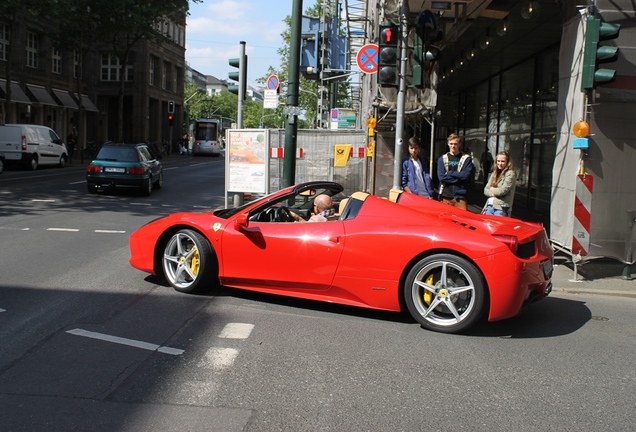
89 343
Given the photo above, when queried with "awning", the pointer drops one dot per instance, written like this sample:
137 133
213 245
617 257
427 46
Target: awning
41 95
66 98
17 94
88 104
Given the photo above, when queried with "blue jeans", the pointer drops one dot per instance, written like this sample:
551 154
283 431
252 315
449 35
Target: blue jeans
490 210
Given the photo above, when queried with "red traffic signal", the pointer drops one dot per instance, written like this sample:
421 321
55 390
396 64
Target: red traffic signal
170 119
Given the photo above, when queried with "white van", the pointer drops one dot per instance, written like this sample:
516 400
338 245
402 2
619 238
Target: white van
32 145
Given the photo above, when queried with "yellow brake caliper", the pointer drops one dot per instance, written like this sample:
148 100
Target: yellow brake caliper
195 262
428 296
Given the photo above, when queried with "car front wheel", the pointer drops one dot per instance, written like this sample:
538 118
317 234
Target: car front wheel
189 264
445 293
159 182
147 190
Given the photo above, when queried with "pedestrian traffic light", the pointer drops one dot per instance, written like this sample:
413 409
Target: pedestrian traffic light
171 107
594 54
171 119
240 76
389 58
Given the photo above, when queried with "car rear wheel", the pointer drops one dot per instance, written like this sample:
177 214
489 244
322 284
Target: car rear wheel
92 188
445 293
188 262
33 163
62 163
1 166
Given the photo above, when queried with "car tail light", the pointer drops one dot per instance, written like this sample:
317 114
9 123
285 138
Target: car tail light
93 168
197 143
511 241
136 171
24 144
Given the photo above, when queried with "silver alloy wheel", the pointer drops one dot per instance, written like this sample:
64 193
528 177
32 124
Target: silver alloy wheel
181 261
445 293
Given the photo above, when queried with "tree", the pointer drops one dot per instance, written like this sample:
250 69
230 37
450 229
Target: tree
308 89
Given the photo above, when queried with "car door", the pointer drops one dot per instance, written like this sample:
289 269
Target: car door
56 145
283 256
151 163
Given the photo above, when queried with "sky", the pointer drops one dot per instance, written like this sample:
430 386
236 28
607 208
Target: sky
215 29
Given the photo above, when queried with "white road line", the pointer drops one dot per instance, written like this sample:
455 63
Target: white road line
63 229
218 358
140 204
236 331
128 342
110 231
170 168
2 310
16 229
78 182
43 200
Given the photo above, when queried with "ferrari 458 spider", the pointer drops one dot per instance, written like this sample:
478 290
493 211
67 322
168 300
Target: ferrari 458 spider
448 267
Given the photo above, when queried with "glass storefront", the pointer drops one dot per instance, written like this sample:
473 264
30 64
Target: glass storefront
513 111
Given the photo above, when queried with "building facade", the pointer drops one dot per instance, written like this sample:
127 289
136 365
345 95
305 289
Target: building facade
507 77
44 82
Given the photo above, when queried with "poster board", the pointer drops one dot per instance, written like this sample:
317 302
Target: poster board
247 160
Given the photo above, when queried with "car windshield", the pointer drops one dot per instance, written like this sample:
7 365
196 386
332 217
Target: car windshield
118 154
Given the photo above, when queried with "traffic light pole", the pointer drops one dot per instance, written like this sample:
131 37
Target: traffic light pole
291 126
242 84
399 121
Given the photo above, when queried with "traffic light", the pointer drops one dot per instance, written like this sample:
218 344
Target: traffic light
389 57
171 107
594 54
240 76
171 119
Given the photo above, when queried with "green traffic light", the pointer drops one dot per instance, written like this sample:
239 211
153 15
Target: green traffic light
593 54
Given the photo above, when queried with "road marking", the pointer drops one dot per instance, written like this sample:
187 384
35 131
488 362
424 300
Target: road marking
63 229
110 231
2 310
124 341
140 204
218 358
15 229
43 200
78 182
236 331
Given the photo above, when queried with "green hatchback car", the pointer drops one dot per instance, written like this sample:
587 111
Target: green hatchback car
124 167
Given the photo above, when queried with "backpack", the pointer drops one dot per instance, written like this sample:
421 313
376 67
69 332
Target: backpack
461 161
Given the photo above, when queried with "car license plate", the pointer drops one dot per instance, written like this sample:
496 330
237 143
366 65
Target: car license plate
114 170
547 268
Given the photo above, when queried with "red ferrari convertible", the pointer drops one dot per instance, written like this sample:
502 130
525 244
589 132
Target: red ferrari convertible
447 267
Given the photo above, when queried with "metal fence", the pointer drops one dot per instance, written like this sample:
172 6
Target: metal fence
318 154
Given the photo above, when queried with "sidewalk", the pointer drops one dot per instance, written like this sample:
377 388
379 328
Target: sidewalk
602 276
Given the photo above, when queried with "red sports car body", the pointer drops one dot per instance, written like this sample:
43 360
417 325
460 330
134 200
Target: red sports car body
448 267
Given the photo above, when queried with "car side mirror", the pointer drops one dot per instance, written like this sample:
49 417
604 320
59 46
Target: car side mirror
241 221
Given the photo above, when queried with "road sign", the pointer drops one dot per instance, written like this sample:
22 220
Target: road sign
270 99
367 58
273 82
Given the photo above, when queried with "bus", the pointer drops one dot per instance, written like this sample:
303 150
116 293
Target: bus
204 137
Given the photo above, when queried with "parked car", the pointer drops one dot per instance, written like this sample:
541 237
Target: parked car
448 267
31 146
124 166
